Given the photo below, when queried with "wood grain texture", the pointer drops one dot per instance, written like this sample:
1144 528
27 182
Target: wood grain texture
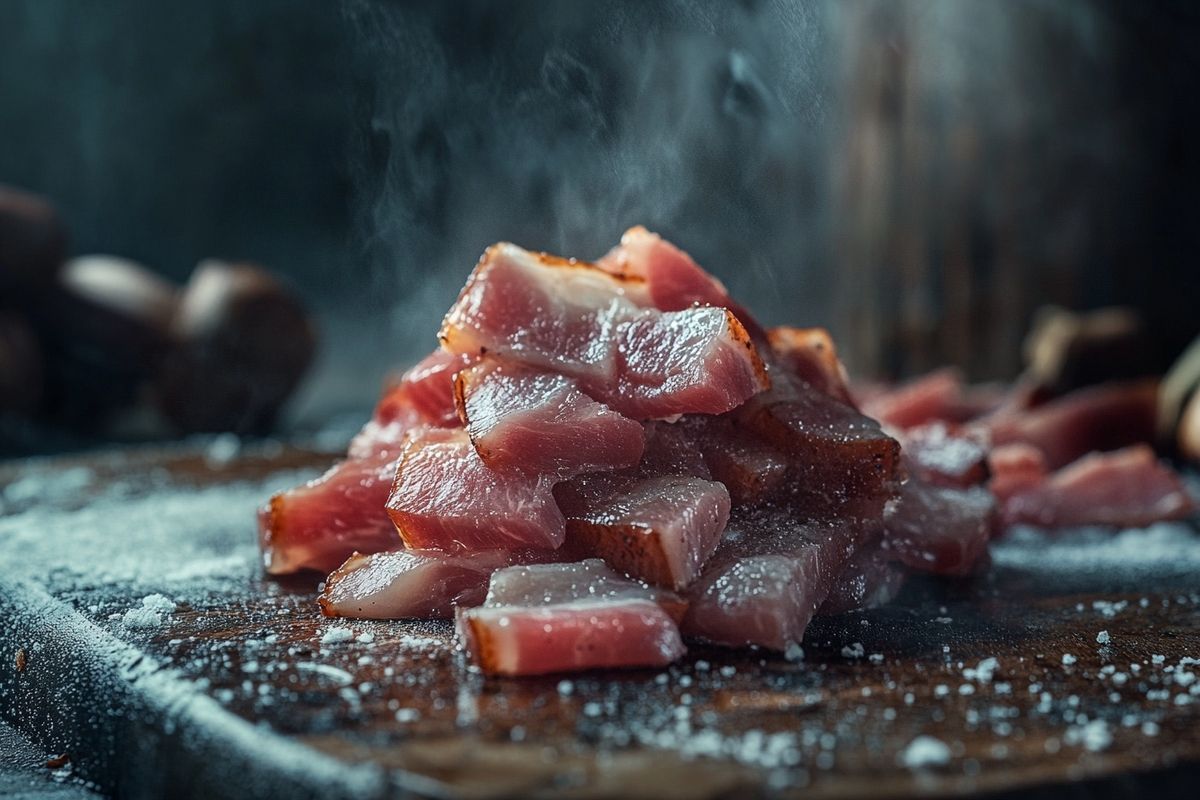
235 694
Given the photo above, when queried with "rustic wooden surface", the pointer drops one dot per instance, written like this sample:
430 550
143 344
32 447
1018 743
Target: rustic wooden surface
235 693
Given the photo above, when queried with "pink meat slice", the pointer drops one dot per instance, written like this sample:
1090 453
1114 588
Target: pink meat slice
402 584
871 579
925 399
673 281
320 524
1014 467
810 355
834 453
659 530
445 498
544 619
752 470
579 321
944 456
536 422
939 529
768 577
1106 417
424 395
1128 488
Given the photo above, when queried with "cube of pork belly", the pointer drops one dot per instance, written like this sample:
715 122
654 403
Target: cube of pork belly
835 454
537 422
1128 488
1105 417
322 523
809 354
769 576
751 469
400 584
942 456
424 395
569 617
871 579
1014 467
445 498
670 280
659 529
579 321
939 529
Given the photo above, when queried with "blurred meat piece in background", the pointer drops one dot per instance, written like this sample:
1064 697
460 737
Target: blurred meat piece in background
33 243
240 345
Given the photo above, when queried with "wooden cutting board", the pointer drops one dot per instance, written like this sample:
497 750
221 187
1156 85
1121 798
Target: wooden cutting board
245 690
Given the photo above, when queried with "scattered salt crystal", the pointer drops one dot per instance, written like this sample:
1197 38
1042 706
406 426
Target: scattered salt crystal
150 615
941 690
1150 728
944 620
966 689
337 635
1068 659
795 652
855 650
1094 735
983 671
1103 638
876 658
365 638
592 709
925 751
407 715
566 688
1157 659
728 671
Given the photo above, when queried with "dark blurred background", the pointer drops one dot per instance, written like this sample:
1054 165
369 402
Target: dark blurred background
917 176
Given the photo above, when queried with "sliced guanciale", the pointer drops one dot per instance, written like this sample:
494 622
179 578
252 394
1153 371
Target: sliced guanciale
582 322
537 422
945 455
446 498
658 529
320 524
544 619
769 575
835 454
1128 488
939 529
423 395
403 584
810 355
871 579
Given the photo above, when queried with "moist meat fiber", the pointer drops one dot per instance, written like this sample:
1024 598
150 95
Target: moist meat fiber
601 460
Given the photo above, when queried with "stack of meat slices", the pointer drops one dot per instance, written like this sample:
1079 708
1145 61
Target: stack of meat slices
602 460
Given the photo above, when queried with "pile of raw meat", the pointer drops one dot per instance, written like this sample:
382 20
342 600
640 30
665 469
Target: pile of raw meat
603 460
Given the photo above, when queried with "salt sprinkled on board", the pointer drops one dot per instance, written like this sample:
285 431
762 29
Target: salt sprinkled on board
855 650
925 751
337 635
983 671
1103 638
150 614
1068 659
1094 735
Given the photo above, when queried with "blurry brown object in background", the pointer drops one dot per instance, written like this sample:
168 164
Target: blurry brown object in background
104 324
1179 404
240 344
33 243
1065 350
21 375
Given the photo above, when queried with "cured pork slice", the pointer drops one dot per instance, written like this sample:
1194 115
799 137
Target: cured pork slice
1106 417
942 456
544 619
835 454
659 529
401 584
810 355
424 395
871 579
1014 467
925 399
768 577
580 321
445 498
939 529
669 279
752 470
540 423
1127 488
320 524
